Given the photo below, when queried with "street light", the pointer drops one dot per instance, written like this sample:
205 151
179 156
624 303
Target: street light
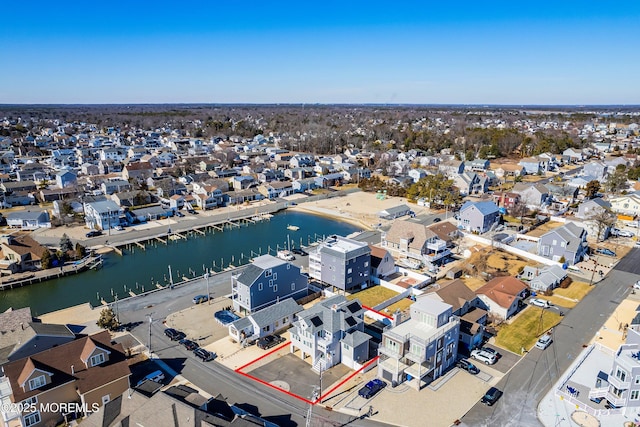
206 276
150 321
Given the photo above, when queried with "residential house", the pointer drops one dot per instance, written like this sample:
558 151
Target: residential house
242 182
478 217
574 156
266 281
506 171
543 279
628 204
591 207
28 220
395 212
422 348
12 186
269 175
302 160
114 154
567 243
276 189
331 332
139 171
406 239
507 200
445 231
89 371
115 186
329 180
467 306
208 196
451 168
502 296
131 198
417 174
477 165
471 183
65 178
382 263
176 202
533 195
102 215
267 321
598 170
242 196
302 185
341 262
20 253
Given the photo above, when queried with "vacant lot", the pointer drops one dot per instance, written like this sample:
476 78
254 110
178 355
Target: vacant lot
570 296
492 261
544 228
373 296
401 305
473 283
524 331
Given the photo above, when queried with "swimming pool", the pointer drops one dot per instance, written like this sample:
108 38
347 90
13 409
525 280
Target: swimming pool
225 317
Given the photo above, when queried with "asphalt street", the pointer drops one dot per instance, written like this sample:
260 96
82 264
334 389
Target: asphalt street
212 377
531 378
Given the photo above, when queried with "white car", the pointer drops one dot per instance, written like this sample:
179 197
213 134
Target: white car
636 285
484 356
625 233
538 302
544 342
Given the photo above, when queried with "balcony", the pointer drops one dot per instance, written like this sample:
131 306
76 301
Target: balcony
390 353
437 245
615 400
596 393
617 383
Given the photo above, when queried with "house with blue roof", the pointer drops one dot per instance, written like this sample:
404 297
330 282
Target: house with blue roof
478 217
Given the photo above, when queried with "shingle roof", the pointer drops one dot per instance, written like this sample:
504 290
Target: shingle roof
485 208
417 233
502 290
356 338
455 293
280 310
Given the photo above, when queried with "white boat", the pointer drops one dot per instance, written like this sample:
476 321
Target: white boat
293 227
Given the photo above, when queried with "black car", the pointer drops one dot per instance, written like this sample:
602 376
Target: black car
180 214
491 396
173 334
436 219
188 344
94 233
269 341
298 251
371 388
203 354
467 366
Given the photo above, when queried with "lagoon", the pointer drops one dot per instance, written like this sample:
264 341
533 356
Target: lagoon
139 270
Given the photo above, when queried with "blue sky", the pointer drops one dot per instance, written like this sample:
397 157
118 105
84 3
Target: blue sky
560 52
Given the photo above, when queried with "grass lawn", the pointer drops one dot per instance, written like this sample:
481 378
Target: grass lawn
373 296
570 296
524 331
543 228
401 305
473 283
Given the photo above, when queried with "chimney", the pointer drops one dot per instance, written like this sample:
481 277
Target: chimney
73 371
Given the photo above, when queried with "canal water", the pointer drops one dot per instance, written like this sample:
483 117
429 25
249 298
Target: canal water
140 270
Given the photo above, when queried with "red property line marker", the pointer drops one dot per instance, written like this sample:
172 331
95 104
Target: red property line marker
377 312
334 388
262 357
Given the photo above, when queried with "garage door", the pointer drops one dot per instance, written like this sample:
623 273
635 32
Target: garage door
386 375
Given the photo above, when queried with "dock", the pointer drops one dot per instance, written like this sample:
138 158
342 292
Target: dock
91 262
161 240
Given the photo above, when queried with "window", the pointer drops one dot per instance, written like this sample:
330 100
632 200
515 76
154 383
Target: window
37 382
275 276
105 399
32 419
275 288
30 401
270 282
259 286
293 286
267 273
97 359
366 263
635 395
349 271
555 242
288 266
621 374
349 280
637 379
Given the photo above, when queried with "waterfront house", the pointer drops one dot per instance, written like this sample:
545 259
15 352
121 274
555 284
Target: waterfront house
395 212
422 348
406 239
242 182
29 219
382 263
89 371
329 180
568 243
341 262
267 321
502 296
275 189
331 332
20 253
304 184
478 217
266 281
102 215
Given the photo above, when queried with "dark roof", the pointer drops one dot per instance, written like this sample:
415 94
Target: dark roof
250 274
316 321
354 307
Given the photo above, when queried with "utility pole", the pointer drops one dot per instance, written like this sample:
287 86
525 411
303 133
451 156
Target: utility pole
150 321
206 276
170 278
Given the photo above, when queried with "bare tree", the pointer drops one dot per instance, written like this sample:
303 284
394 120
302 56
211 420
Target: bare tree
602 219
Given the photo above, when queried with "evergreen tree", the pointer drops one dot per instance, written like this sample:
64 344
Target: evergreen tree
107 319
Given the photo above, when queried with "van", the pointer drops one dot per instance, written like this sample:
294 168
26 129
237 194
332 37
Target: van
156 376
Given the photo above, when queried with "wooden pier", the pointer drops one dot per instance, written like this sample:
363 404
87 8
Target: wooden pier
91 262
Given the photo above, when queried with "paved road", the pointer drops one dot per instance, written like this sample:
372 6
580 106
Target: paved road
213 377
534 375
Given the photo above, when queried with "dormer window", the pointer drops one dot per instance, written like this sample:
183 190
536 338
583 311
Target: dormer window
97 359
37 382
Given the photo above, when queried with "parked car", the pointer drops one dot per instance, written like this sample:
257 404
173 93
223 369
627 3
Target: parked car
203 354
467 366
371 388
299 251
94 233
437 219
485 356
544 342
180 214
636 285
285 255
269 341
200 299
538 302
174 335
156 376
188 344
491 396
605 251
118 228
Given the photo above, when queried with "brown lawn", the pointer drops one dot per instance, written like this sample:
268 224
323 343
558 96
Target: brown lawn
373 296
544 228
497 261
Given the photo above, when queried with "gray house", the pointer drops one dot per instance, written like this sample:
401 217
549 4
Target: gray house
477 165
269 320
531 165
341 262
327 329
478 216
592 207
421 349
395 212
597 170
533 195
545 278
265 282
28 220
568 242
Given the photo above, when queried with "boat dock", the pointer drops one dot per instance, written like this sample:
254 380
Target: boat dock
90 262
